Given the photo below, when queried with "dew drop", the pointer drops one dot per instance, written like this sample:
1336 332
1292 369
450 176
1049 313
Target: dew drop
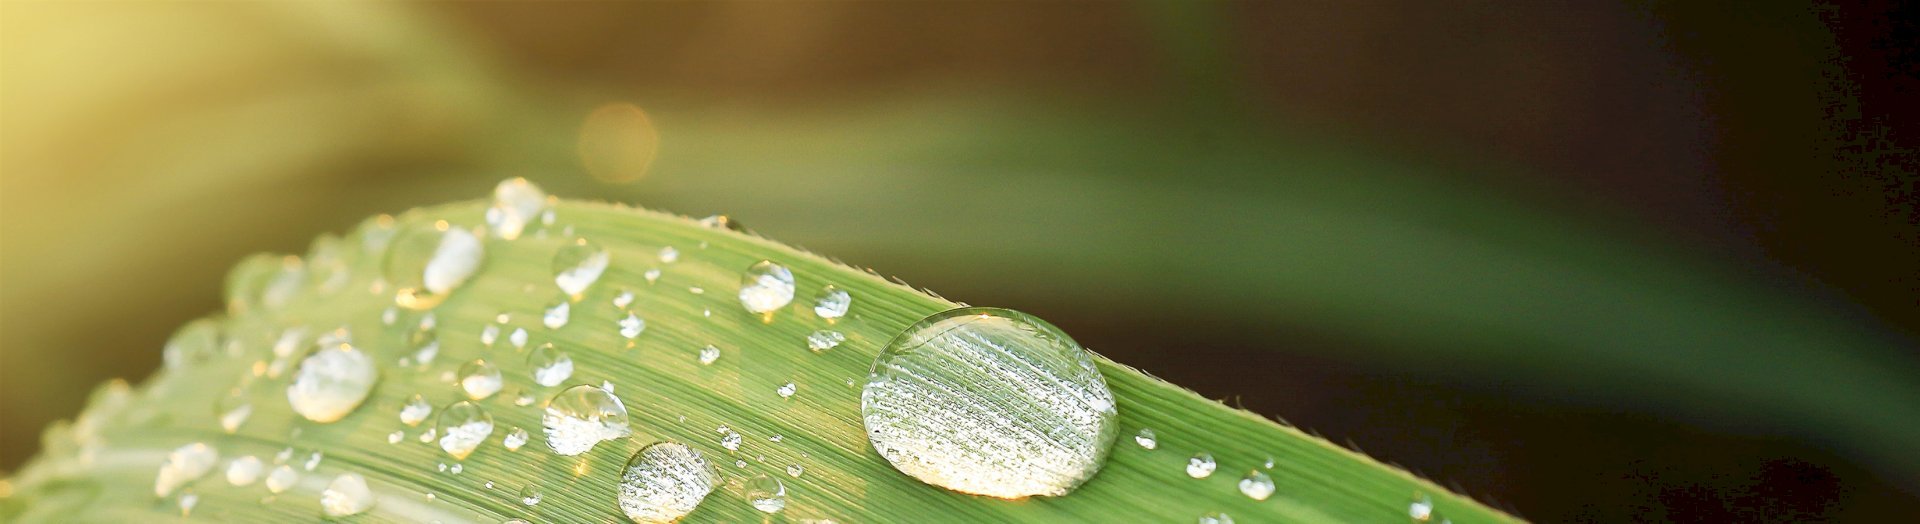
1421 509
480 379
787 390
664 482
1146 439
709 354
578 265
550 366
530 495
426 263
233 409
1200 465
832 302
313 461
515 202
669 255
518 338
244 471
823 340
462 427
582 416
425 344
396 436
415 410
731 441
557 315
1268 464
523 399
457 468
428 435
652 275
1256 485
631 326
990 402
514 439
766 287
346 495
281 479
796 470
767 494
1215 517
185 464
187 502
192 344
331 382
489 335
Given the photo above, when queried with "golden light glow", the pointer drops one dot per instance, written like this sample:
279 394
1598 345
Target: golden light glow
618 143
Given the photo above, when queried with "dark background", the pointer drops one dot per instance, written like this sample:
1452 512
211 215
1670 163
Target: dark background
1774 139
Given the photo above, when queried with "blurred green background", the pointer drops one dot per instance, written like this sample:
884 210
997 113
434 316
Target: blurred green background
1588 261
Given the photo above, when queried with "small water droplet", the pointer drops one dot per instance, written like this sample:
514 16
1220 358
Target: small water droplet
515 202
281 479
669 255
697 290
313 461
624 299
776 437
530 495
1215 517
331 382
415 410
396 436
185 464
514 439
557 315
428 435
796 470
283 456
767 494
582 416
523 399
709 354
192 344
664 482
607 385
824 339
518 338
1268 464
462 427
1200 465
550 366
740 463
425 344
632 326
234 409
578 265
832 302
489 335
346 495
990 402
731 441
652 275
1421 509
187 502
480 379
786 390
426 263
1256 485
244 471
456 468
765 287
1146 439
389 316
720 222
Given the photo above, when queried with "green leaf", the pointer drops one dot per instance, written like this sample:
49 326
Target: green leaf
103 466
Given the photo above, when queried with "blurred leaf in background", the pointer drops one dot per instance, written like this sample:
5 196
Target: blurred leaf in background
1546 253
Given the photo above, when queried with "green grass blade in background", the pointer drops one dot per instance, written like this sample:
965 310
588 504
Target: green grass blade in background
102 468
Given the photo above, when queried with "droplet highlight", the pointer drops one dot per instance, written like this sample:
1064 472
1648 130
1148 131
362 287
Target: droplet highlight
331 382
664 482
462 426
765 287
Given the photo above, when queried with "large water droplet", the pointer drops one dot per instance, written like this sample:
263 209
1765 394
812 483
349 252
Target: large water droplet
664 482
577 265
557 315
480 379
233 409
766 287
832 302
192 344
990 402
244 471
185 464
582 416
515 202
1200 465
1146 439
767 494
550 366
426 263
332 382
282 478
824 339
346 495
462 427
1256 485
415 410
